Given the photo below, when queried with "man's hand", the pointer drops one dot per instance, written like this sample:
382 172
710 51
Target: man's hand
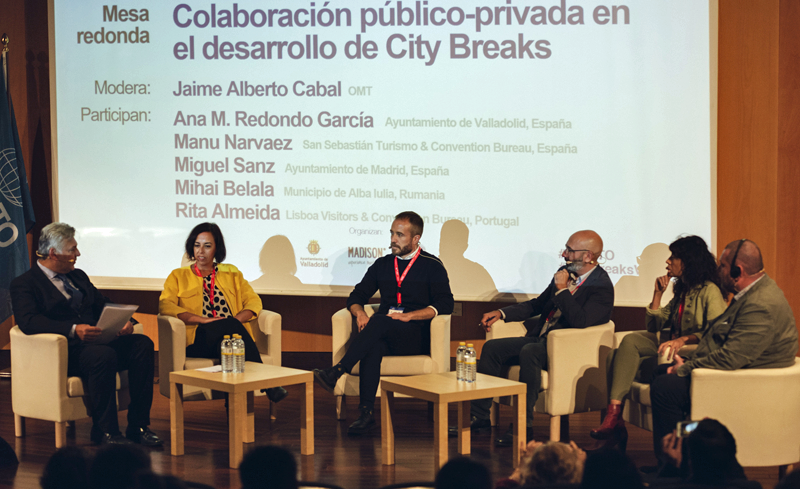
126 330
361 319
489 319
677 362
525 451
580 454
561 279
87 333
671 447
401 316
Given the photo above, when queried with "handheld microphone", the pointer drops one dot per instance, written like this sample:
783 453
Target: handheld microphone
572 275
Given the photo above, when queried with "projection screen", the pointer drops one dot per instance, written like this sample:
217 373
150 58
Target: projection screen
302 128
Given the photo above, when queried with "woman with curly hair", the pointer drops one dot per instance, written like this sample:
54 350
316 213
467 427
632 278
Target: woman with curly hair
696 302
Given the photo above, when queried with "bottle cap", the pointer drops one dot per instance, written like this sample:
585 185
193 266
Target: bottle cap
462 343
469 345
227 337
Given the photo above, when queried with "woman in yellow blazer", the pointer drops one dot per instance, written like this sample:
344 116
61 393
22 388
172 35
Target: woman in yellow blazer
213 299
696 302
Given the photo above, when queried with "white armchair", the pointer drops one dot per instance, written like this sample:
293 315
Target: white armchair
40 387
437 361
759 406
574 381
172 350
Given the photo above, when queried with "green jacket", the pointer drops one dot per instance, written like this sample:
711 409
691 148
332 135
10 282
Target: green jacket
703 304
757 331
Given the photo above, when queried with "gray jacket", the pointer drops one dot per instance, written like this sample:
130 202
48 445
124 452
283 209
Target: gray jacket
757 331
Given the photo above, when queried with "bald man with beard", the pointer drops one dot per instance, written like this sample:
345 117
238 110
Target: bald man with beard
580 295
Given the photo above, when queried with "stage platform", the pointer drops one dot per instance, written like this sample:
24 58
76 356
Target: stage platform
349 462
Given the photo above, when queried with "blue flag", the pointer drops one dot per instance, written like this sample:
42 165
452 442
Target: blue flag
16 210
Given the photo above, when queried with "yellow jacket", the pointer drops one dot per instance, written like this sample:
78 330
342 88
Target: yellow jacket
183 292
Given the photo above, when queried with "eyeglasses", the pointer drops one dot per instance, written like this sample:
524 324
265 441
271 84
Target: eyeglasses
570 250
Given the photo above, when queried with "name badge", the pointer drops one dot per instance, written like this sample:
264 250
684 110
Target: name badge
395 310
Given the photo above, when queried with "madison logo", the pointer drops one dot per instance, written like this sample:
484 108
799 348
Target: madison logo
365 252
313 247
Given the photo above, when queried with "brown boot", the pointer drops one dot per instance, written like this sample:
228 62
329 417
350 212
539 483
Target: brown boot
611 423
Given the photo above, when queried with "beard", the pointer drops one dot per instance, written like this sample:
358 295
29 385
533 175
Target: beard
727 285
574 266
397 251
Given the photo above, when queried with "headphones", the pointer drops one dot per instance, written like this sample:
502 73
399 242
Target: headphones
45 256
736 270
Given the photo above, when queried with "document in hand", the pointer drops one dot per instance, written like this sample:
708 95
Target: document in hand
113 319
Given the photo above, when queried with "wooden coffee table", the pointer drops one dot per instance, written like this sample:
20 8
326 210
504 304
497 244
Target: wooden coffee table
240 389
441 389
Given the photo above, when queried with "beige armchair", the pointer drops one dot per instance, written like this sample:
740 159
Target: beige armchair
40 387
574 381
437 361
759 406
172 350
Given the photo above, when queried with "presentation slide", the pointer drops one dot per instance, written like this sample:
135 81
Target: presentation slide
302 127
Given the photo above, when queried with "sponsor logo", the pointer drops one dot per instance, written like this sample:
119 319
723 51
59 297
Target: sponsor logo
313 247
365 252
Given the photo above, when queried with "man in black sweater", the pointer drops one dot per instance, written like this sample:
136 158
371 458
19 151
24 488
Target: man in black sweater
414 289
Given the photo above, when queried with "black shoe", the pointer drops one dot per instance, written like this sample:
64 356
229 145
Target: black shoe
476 424
144 437
98 437
363 424
276 394
328 377
507 439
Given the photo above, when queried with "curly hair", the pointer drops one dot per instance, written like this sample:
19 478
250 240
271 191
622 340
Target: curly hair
552 463
699 265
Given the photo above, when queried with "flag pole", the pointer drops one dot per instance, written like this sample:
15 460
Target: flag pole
6 372
4 40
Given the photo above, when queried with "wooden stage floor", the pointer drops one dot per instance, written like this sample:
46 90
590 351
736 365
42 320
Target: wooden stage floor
350 462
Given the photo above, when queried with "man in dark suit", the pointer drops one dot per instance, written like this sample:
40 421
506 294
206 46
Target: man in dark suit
55 297
581 294
757 330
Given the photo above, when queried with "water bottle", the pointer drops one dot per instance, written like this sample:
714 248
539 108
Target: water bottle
462 347
238 354
226 355
470 365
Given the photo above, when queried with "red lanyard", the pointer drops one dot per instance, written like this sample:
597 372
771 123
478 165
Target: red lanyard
210 292
676 326
405 272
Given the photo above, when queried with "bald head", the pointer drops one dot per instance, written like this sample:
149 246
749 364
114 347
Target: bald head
588 240
582 251
748 258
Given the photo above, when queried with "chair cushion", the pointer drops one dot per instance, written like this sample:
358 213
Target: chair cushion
401 366
513 374
641 393
75 384
193 363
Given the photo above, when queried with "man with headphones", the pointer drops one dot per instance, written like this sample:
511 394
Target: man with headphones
55 297
581 294
757 330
